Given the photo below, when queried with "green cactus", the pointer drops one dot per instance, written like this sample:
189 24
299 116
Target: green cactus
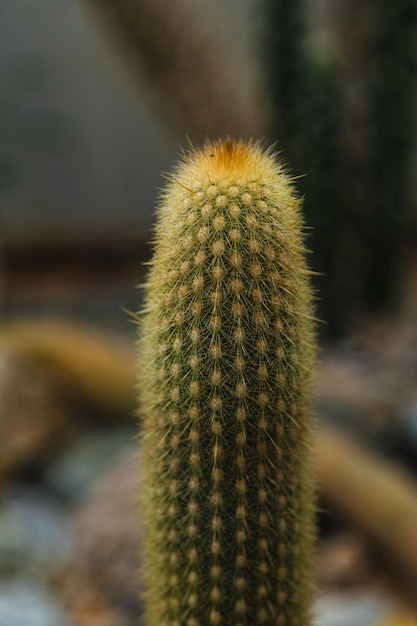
392 77
303 78
226 360
343 103
285 60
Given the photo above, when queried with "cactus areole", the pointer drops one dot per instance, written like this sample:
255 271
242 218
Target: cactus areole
226 360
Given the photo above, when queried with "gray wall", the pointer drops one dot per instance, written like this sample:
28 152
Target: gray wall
79 144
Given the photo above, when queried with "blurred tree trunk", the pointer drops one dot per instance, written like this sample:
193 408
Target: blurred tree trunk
189 63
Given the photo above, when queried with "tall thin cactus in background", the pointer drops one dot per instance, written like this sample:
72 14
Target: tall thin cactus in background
393 83
286 78
354 171
305 88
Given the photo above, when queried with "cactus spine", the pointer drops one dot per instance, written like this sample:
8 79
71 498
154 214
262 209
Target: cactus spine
226 353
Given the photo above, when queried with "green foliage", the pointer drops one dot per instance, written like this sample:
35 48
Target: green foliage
226 360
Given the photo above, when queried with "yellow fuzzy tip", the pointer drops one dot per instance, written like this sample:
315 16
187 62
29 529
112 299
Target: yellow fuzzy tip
227 160
224 156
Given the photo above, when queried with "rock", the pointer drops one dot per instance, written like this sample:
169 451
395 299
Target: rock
24 604
105 567
344 563
85 460
84 604
34 532
353 609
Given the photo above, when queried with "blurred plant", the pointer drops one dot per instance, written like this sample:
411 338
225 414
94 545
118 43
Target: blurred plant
305 88
377 497
356 204
393 82
91 368
202 85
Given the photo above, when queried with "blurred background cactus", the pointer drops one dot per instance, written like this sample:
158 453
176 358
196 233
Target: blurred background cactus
392 94
343 113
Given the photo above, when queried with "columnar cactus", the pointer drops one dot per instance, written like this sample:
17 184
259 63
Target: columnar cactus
226 354
306 102
393 126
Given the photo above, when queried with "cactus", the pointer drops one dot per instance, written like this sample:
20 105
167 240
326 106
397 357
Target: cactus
285 57
348 114
305 91
198 77
392 77
227 354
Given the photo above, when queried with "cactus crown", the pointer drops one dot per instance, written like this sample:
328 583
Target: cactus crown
226 359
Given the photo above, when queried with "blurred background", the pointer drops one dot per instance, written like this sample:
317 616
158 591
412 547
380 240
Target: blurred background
96 100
